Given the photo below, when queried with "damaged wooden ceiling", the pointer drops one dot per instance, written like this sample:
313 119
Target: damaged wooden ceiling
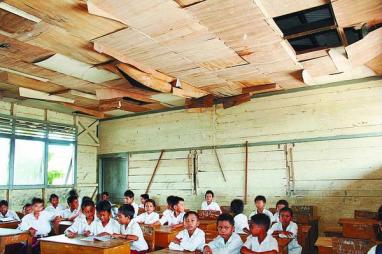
112 57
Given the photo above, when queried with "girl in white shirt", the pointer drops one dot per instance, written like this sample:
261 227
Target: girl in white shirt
209 203
149 217
241 220
82 225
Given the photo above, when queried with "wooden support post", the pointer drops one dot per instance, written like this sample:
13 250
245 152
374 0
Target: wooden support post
220 165
155 170
43 191
246 173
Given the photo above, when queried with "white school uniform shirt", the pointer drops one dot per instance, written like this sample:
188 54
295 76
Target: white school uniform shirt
241 221
66 214
136 208
373 250
79 226
171 219
190 243
141 206
147 218
211 207
293 246
56 211
113 227
268 244
134 229
166 212
265 211
42 224
276 217
10 214
232 246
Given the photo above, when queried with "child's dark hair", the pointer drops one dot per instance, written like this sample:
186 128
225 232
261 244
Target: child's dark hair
71 199
152 201
86 198
262 220
282 202
3 202
237 206
145 196
105 193
287 209
170 200
187 214
260 198
52 196
26 205
177 200
127 210
129 194
226 217
37 201
73 192
103 206
209 192
86 203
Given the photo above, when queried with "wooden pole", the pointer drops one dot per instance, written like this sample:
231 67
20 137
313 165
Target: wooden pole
220 165
155 170
246 173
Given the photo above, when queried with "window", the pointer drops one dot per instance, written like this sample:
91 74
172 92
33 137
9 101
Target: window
60 164
29 162
5 144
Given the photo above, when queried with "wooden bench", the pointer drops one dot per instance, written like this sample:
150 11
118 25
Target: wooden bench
364 214
359 228
324 245
351 246
207 225
333 231
13 236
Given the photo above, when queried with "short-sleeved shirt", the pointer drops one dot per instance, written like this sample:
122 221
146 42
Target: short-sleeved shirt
79 226
232 246
241 222
41 224
112 227
147 218
136 209
210 207
67 213
293 246
55 210
171 219
134 229
265 211
11 215
268 244
190 243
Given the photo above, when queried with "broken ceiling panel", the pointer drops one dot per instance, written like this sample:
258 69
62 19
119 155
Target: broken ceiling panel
277 8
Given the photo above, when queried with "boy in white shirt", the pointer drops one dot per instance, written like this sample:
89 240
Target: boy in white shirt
72 212
279 205
260 202
104 225
170 203
209 203
82 225
6 213
129 200
175 218
130 230
227 242
191 238
241 220
55 207
287 228
149 217
144 198
260 241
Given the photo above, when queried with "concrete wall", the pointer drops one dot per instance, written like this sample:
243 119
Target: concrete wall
86 155
340 173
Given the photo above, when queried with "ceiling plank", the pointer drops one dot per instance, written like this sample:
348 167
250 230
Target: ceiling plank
88 111
12 23
202 102
34 94
114 104
112 93
260 88
186 90
236 100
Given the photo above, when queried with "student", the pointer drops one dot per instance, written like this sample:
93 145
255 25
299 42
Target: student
209 203
170 203
144 197
27 209
377 249
6 213
73 192
175 218
72 212
129 200
104 225
149 217
191 238
260 202
130 230
279 205
260 241
241 220
227 242
55 207
105 196
287 228
82 225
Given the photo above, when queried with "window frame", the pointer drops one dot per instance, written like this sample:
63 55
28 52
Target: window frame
47 141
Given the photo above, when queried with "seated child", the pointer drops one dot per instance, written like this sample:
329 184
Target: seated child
144 197
130 230
227 242
149 217
209 203
175 218
260 241
287 228
241 220
106 197
27 209
279 205
129 200
170 203
55 207
191 238
81 225
72 212
6 213
104 225
260 202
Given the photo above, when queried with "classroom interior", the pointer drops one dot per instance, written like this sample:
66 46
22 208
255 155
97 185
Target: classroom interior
279 98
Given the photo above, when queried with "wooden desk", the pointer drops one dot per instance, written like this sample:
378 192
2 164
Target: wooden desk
303 237
164 235
324 245
283 244
13 236
207 224
63 225
359 228
62 244
10 224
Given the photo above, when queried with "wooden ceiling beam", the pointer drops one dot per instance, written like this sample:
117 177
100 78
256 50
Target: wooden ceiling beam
114 104
202 102
236 100
88 111
35 94
259 88
112 93
186 90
